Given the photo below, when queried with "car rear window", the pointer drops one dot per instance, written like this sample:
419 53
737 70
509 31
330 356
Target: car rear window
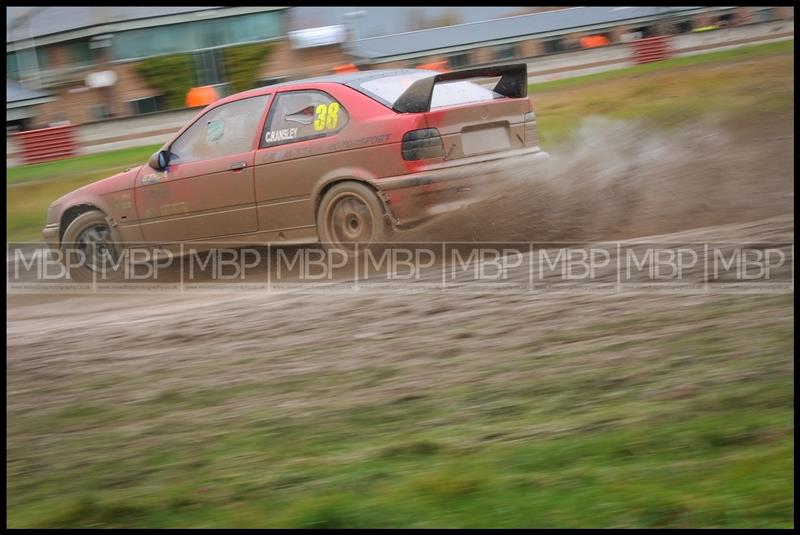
388 89
461 92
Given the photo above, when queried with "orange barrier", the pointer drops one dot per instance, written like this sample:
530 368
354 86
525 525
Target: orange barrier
440 66
201 96
593 41
348 67
47 144
650 49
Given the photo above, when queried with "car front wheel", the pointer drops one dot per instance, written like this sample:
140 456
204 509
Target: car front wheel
91 249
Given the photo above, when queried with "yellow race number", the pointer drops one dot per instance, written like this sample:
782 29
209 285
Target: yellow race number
327 116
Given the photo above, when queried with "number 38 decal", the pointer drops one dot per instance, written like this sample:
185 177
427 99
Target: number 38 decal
327 116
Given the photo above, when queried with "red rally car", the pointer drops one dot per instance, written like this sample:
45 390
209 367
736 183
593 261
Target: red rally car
337 160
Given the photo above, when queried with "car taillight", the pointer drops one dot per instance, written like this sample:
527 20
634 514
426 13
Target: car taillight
531 132
422 144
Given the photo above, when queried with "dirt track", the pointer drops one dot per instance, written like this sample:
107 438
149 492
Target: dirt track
654 407
615 181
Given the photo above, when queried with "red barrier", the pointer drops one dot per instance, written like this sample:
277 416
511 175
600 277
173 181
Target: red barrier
650 49
48 144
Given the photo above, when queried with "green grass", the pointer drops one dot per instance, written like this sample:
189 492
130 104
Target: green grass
731 55
31 188
738 84
751 80
679 430
90 164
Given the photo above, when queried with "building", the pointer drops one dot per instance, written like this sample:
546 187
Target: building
86 57
509 38
84 64
528 36
21 105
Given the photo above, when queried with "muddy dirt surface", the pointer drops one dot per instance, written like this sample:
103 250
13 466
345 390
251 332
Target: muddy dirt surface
705 182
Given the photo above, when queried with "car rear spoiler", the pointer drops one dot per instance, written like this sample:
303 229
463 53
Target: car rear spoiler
417 98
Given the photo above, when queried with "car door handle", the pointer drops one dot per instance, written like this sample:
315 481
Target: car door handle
237 166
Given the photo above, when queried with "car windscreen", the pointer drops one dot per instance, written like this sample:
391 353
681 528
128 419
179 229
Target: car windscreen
388 89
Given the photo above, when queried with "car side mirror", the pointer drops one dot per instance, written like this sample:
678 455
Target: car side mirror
159 160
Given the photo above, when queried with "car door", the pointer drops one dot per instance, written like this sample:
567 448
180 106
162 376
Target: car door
207 189
297 136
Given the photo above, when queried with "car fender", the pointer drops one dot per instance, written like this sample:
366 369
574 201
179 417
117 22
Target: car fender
357 174
112 196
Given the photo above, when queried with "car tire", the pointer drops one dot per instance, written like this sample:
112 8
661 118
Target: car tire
352 218
89 239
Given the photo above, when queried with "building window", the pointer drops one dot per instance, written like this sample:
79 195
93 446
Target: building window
725 20
45 56
505 52
17 125
459 61
147 105
12 70
647 31
684 26
196 35
765 14
79 52
209 67
98 112
27 62
552 46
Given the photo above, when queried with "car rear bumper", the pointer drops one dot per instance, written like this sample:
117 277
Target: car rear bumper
50 234
418 196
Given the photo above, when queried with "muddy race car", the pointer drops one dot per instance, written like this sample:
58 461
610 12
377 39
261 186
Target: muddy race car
338 160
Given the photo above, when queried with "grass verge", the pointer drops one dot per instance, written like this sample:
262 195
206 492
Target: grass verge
675 419
86 165
730 55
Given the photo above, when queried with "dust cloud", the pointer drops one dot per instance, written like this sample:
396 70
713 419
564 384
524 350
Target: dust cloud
617 179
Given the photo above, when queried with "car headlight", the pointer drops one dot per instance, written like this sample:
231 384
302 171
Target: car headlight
53 213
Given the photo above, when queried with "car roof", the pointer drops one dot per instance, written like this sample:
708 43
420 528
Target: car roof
350 79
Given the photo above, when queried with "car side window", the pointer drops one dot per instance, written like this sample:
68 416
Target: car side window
302 115
225 130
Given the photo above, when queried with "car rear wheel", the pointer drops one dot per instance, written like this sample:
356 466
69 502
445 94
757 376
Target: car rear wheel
351 218
92 249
